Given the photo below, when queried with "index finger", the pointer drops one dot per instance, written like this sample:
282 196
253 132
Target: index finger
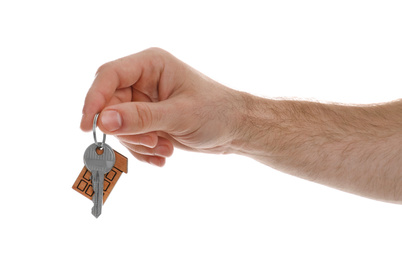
111 76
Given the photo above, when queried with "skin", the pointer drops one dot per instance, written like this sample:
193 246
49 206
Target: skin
153 102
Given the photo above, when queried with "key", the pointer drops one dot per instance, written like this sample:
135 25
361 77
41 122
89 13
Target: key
99 158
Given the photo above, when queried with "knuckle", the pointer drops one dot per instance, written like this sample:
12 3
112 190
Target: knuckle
110 70
156 50
104 67
158 56
144 117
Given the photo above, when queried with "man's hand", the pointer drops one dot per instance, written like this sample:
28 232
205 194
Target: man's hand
152 101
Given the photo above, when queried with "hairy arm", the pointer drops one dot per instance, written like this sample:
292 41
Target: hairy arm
357 149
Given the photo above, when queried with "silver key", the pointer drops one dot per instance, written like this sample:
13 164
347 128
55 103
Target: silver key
98 165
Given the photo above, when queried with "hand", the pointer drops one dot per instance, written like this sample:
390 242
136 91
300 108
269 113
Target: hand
151 102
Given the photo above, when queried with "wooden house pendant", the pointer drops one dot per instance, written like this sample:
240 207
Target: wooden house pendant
83 183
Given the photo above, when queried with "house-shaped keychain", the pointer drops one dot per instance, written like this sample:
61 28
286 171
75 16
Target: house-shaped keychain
83 184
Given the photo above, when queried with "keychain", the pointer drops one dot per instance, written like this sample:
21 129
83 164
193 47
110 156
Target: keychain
103 168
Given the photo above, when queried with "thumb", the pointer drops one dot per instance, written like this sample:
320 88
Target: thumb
135 118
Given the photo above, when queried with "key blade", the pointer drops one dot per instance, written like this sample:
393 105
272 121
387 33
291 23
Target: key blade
96 212
97 182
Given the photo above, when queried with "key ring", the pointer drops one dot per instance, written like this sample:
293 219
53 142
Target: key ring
94 131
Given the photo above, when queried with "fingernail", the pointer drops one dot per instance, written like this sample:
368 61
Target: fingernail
147 141
157 161
162 151
111 120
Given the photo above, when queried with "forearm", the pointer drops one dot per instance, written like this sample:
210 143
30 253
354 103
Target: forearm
357 149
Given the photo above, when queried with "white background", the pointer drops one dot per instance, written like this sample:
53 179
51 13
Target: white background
197 206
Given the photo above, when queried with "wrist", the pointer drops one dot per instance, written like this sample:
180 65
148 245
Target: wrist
254 119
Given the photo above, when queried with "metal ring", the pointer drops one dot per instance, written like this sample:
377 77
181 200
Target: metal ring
94 131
